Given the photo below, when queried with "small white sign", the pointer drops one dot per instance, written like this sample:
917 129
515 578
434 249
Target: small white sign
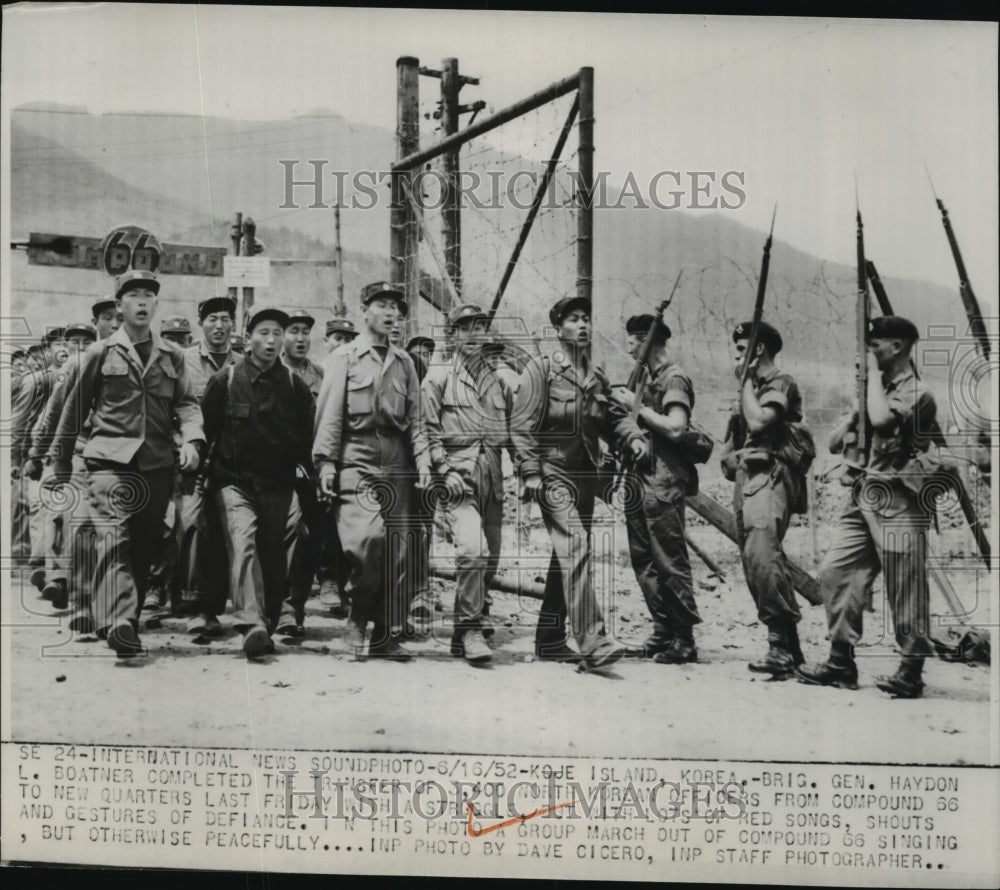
246 271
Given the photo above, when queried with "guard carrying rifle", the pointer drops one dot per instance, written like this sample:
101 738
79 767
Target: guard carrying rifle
885 525
657 482
767 455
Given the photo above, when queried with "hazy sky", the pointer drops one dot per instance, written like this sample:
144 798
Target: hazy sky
801 106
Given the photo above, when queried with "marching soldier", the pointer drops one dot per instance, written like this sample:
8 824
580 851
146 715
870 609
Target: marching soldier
559 413
258 426
63 523
203 579
885 525
163 574
369 443
661 474
466 409
303 536
764 458
132 385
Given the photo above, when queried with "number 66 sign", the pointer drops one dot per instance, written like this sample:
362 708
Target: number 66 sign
130 247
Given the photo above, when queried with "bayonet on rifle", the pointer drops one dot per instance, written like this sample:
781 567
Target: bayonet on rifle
856 456
969 300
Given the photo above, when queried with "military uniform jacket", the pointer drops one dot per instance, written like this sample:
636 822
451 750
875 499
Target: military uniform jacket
558 419
201 367
44 431
777 390
28 403
466 417
364 399
309 373
915 412
669 386
131 405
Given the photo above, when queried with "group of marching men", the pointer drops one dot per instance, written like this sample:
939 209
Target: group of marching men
151 456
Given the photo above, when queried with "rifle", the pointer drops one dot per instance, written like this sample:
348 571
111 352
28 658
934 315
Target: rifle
969 300
937 435
639 378
736 431
856 455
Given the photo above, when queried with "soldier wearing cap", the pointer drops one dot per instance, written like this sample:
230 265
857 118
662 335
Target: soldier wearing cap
659 477
132 385
338 332
164 574
258 425
466 409
636 329
885 524
760 457
105 317
64 531
560 413
369 443
201 583
303 535
46 371
176 329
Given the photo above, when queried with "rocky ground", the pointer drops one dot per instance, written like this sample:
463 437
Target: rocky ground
313 693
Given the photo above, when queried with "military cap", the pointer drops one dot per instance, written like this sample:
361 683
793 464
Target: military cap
80 329
466 311
566 305
53 334
135 279
102 305
266 313
341 326
417 339
216 304
383 289
36 348
639 324
18 353
295 315
893 327
765 334
175 324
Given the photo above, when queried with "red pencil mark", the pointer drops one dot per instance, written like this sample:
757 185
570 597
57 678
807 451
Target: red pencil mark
515 821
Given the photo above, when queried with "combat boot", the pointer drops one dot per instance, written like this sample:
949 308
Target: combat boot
658 641
680 650
838 670
778 662
906 682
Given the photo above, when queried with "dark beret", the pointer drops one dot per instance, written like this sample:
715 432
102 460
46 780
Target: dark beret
639 324
893 327
765 334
